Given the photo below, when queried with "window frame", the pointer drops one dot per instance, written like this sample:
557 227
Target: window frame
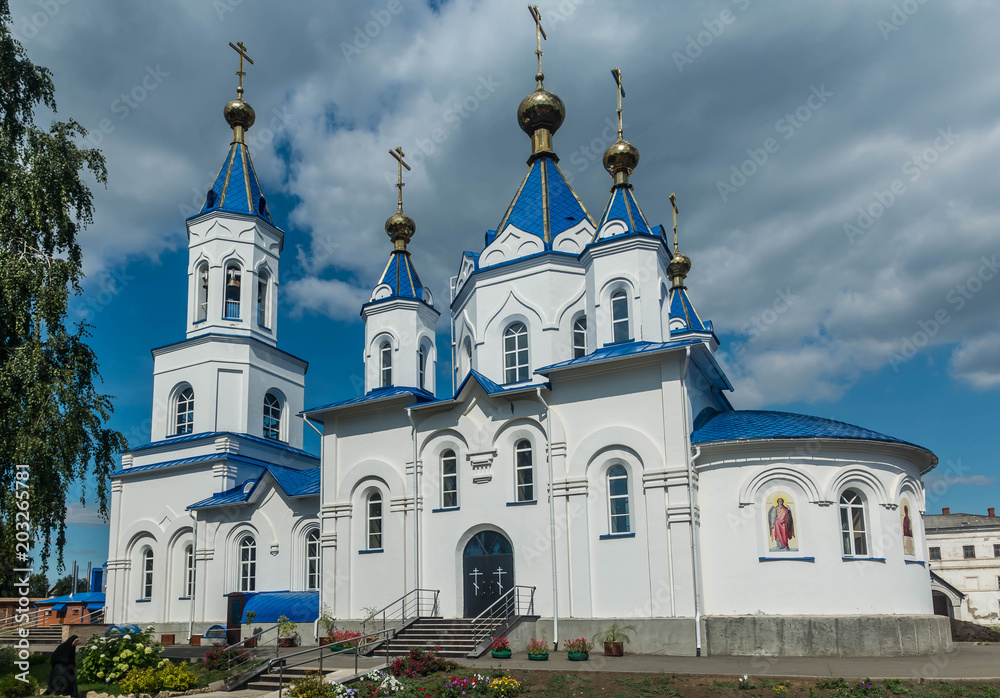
385 364
148 565
313 571
271 425
263 287
579 344
237 302
371 533
422 367
934 552
187 412
202 290
968 552
848 524
614 474
247 568
189 571
514 369
620 322
448 456
524 446
996 550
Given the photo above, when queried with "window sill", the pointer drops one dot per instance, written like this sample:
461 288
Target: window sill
915 562
371 552
793 559
851 558
435 511
198 322
183 598
522 504
231 319
143 600
609 536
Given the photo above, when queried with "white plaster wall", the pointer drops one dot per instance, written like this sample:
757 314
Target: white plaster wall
406 325
978 578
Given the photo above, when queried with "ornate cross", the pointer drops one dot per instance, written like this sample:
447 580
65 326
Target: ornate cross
617 73
500 573
539 35
673 202
399 155
475 574
242 50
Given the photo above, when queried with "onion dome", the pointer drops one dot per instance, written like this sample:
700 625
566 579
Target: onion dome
540 115
678 268
400 228
620 159
239 113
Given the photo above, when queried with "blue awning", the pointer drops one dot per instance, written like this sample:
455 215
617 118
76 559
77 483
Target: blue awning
59 607
297 606
95 606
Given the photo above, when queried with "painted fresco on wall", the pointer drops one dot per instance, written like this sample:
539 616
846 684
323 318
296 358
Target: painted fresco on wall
782 535
909 547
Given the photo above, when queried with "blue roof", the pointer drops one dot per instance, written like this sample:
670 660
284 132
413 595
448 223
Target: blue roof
620 350
88 597
401 277
297 606
622 206
491 387
765 424
681 307
377 394
294 483
213 434
527 210
197 459
236 188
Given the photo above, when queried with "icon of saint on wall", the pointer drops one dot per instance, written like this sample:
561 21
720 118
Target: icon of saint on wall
909 547
781 524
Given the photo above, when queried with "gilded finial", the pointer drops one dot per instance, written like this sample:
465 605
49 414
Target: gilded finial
541 113
621 157
680 264
239 114
400 227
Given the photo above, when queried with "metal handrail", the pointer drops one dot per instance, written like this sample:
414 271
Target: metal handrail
10 622
282 662
508 605
251 659
410 605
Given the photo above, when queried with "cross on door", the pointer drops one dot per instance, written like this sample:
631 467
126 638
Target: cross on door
475 574
500 573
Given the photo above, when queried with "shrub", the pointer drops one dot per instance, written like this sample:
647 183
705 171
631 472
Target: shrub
13 687
420 663
169 677
107 659
312 686
221 658
8 655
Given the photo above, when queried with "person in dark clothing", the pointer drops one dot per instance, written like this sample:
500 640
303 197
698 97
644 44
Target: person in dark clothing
62 677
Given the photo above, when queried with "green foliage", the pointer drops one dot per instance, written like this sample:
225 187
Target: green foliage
110 659
8 655
53 413
616 633
65 586
311 686
326 619
219 657
169 677
831 684
251 616
13 687
286 628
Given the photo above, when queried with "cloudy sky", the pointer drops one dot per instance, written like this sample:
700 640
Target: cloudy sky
835 165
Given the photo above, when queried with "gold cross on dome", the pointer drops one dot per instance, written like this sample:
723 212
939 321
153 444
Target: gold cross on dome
673 203
617 73
242 50
398 154
539 35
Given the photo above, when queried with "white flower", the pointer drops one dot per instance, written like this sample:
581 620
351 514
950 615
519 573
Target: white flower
149 651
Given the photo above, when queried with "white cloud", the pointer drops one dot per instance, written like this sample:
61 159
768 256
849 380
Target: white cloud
79 515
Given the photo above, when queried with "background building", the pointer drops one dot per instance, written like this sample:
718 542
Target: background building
964 551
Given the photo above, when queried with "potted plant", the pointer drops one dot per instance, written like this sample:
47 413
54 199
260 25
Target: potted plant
500 648
615 638
344 639
578 650
325 625
538 651
286 632
250 618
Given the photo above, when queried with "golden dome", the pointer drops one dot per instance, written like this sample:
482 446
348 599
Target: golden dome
621 156
540 109
239 113
400 227
679 266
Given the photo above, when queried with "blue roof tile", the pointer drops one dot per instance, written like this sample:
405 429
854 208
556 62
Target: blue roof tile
401 276
681 307
294 483
526 211
375 395
214 434
297 606
620 350
622 206
236 188
765 424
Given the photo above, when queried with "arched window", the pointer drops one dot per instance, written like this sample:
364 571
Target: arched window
312 559
385 354
262 279
579 337
422 367
231 309
515 353
248 564
272 417
618 499
147 574
619 317
524 471
374 521
449 479
188 572
184 423
852 523
201 279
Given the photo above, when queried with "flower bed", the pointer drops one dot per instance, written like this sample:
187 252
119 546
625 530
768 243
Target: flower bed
107 659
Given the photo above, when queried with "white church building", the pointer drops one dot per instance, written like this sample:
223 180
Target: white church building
588 453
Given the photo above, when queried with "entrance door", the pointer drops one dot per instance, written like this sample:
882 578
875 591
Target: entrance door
234 616
488 571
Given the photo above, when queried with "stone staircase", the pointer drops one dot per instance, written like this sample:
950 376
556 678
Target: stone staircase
49 635
453 636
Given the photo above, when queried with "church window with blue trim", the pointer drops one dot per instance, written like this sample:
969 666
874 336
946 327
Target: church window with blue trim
525 472
618 499
184 421
231 309
374 521
147 574
449 479
619 317
580 337
852 523
248 564
272 417
515 353
385 361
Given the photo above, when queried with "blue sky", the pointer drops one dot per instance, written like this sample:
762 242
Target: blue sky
835 167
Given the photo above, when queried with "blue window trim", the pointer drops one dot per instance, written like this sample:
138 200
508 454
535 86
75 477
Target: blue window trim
371 552
183 598
198 322
793 559
521 504
847 558
231 319
143 600
609 536
435 511
915 562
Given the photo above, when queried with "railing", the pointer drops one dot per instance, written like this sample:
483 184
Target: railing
252 652
232 310
279 664
419 603
10 624
517 601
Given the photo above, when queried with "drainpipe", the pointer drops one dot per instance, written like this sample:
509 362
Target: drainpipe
552 520
695 553
194 566
416 517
